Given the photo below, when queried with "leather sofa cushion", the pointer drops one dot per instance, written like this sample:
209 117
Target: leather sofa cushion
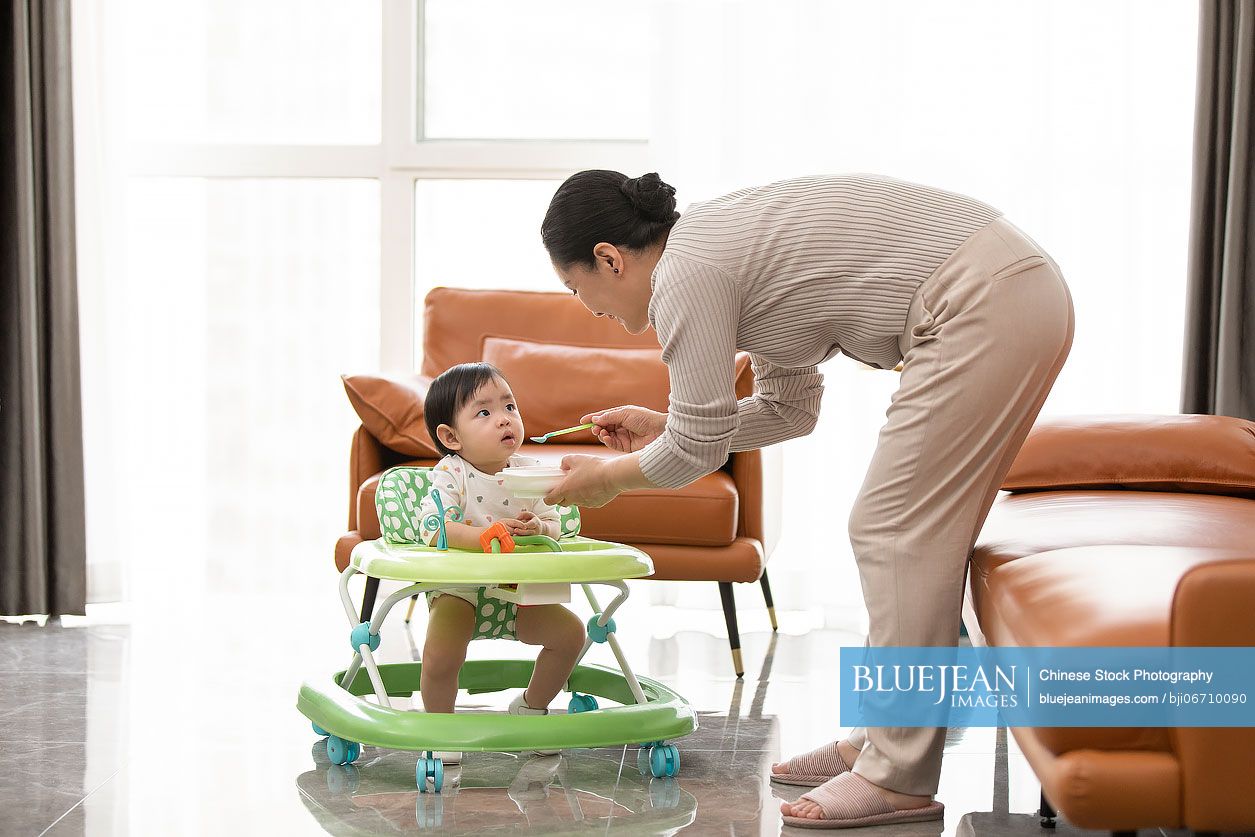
391 409
456 320
1065 598
556 384
1180 453
1026 524
703 513
742 560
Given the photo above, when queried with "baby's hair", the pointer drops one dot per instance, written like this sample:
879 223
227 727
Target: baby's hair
449 393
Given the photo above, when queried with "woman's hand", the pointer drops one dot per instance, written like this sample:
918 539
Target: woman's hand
628 428
587 482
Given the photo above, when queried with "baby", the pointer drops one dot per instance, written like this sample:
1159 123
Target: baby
472 418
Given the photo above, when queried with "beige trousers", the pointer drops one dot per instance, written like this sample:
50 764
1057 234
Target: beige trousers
985 338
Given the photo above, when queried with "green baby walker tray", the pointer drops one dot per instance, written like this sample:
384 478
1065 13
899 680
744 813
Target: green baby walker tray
539 569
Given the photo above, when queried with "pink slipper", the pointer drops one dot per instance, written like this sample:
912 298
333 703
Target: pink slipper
813 768
849 801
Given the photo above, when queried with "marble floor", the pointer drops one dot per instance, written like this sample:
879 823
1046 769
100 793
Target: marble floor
176 717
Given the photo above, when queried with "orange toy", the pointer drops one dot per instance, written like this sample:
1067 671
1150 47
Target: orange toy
496 532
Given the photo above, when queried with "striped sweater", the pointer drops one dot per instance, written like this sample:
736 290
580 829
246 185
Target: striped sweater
793 273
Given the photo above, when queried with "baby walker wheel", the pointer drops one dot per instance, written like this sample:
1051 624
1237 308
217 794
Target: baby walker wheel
318 731
432 768
341 751
664 761
581 703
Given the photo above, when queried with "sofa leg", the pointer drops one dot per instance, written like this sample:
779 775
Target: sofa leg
734 636
368 598
1132 833
771 607
1046 812
409 612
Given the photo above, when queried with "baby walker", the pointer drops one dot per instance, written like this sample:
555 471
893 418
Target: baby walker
537 570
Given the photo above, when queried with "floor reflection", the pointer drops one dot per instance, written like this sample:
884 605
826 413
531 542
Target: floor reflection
181 720
579 791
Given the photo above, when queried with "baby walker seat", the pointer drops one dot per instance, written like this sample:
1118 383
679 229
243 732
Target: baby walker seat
537 569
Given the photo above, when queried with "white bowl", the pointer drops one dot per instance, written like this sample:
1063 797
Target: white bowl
531 480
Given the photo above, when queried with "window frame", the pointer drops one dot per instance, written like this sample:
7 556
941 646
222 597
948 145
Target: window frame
400 159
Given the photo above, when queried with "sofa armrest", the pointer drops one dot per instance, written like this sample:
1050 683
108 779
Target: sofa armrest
756 474
1212 607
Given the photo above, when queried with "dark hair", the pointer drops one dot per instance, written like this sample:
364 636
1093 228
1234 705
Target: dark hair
449 393
599 205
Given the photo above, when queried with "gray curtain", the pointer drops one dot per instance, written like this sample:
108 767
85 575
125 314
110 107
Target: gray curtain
42 540
1219 369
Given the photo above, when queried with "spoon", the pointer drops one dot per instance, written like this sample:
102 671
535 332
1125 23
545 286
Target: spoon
540 440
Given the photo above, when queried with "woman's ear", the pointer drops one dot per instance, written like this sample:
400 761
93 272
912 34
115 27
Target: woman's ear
448 437
608 258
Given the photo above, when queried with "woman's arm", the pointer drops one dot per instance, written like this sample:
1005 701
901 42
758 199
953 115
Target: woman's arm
695 311
785 405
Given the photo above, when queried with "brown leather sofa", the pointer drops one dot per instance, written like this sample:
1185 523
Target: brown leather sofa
1128 530
562 362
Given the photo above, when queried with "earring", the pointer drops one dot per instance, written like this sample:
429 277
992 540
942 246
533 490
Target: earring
616 270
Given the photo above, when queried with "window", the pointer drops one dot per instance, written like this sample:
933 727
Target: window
268 190
583 78
262 209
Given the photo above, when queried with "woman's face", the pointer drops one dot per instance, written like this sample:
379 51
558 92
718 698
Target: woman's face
622 296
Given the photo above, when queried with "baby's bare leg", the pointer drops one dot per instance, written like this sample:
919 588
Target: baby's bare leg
562 634
449 627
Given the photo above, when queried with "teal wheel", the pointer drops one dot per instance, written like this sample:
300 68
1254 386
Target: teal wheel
319 731
341 751
431 768
664 761
581 703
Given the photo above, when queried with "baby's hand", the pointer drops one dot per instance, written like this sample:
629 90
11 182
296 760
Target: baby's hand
526 524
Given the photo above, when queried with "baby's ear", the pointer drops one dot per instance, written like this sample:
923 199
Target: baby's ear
448 437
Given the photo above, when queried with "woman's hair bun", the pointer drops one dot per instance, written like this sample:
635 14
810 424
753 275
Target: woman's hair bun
651 199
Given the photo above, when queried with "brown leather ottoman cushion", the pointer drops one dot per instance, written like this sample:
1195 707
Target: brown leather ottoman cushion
1092 596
